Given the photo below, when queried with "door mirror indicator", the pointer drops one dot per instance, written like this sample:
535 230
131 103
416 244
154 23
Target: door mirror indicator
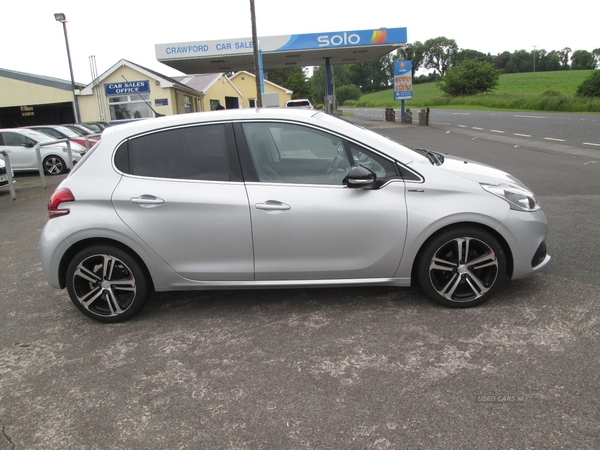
360 177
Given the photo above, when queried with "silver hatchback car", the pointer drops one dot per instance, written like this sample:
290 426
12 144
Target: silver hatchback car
260 198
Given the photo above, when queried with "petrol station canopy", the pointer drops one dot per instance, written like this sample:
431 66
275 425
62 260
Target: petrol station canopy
299 50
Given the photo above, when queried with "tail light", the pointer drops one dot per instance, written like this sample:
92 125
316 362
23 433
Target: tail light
59 196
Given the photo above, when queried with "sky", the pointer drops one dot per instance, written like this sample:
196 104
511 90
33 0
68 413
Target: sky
31 40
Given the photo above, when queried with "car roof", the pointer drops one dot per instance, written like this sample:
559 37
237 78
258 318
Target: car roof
33 134
142 126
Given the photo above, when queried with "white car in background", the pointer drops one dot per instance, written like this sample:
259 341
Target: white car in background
301 103
20 144
3 175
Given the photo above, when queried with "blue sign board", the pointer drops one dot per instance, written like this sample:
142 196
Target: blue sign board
402 80
345 39
293 42
127 87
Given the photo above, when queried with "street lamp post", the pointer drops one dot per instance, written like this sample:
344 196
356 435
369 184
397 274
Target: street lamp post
60 17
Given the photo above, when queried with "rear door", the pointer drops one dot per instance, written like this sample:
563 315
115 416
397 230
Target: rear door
183 195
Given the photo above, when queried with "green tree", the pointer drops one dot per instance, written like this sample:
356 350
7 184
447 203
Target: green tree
439 54
281 76
590 86
520 61
465 54
582 60
551 61
298 83
563 55
341 77
469 78
501 60
414 52
349 92
596 53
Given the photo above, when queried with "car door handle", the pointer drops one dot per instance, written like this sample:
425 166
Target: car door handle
272 205
147 201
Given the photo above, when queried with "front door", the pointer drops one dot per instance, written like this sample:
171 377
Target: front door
306 223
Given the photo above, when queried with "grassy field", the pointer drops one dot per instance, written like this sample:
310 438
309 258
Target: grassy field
539 91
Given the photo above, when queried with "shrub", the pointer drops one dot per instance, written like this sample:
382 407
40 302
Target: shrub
590 86
348 92
469 78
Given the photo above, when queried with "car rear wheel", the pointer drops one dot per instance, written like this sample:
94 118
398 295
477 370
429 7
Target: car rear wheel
54 165
462 267
107 284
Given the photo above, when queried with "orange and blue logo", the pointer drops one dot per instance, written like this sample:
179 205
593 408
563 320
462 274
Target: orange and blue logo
379 36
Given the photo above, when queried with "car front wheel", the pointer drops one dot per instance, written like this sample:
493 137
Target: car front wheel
54 165
462 267
107 284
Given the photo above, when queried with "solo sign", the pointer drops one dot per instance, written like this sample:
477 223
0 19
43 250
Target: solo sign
128 87
402 80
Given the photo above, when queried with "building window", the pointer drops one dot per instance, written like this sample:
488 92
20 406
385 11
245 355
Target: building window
187 104
129 106
252 102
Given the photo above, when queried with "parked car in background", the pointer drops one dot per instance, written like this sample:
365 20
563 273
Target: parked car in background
3 174
20 143
299 103
62 132
274 197
98 127
81 129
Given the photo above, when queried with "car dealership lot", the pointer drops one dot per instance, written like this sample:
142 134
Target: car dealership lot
322 368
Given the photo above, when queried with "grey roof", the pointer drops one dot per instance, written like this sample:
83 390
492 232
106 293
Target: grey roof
39 79
200 82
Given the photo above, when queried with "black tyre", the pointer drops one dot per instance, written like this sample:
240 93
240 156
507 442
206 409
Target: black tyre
54 165
107 284
462 267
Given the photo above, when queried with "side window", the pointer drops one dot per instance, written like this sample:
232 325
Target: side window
14 139
382 167
286 153
192 153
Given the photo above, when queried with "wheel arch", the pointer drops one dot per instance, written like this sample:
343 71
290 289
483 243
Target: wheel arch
480 226
80 245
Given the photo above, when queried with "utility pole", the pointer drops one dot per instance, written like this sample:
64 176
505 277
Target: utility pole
255 50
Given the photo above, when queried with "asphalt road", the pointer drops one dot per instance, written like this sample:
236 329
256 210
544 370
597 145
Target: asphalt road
350 368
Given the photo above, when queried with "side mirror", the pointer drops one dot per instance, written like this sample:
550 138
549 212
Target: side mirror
360 177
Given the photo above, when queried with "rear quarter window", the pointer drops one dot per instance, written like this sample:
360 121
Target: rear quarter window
191 153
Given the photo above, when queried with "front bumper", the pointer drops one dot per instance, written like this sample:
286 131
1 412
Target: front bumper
525 234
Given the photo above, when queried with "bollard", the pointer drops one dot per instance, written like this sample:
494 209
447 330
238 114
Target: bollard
408 116
422 117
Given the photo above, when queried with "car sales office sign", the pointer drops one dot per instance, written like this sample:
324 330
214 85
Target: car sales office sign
402 80
128 87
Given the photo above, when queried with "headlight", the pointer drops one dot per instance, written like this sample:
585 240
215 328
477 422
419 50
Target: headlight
519 199
77 147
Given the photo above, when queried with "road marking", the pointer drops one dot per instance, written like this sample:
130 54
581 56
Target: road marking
477 128
496 131
462 126
461 114
530 117
441 123
522 135
591 143
554 139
